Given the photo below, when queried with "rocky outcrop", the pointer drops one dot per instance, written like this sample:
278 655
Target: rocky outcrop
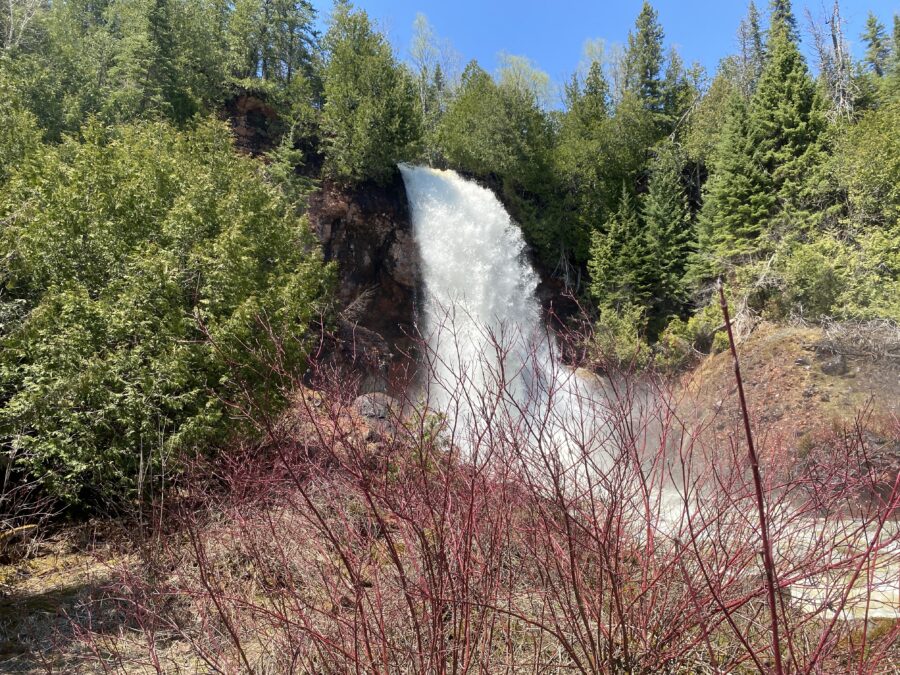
367 231
797 381
253 123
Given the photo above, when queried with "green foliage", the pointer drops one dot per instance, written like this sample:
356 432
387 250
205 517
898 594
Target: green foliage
621 258
670 238
814 278
766 159
874 288
146 267
370 120
660 84
273 40
752 56
683 341
738 199
786 116
706 123
878 47
783 20
617 337
129 250
640 258
599 151
19 134
644 59
499 132
493 129
120 60
586 135
866 164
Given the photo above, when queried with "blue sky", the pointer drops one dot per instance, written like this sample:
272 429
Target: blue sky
552 33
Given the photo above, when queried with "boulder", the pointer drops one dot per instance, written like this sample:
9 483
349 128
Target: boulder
377 406
379 414
834 365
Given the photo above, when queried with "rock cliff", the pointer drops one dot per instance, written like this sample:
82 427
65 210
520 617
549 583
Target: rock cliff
367 231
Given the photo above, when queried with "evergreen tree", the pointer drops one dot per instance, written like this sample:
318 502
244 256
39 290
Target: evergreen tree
19 133
621 262
707 118
895 43
163 58
143 73
786 114
782 18
369 118
587 106
753 50
644 59
677 91
878 47
293 43
583 160
137 233
738 199
496 130
669 236
892 82
593 105
272 40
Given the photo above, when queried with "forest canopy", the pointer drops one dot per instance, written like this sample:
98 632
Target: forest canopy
139 247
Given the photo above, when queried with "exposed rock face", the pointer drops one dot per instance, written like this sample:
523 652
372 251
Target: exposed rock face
367 231
252 121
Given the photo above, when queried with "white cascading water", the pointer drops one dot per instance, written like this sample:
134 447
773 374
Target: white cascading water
480 315
487 343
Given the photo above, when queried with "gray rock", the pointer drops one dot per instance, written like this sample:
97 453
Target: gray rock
835 365
377 406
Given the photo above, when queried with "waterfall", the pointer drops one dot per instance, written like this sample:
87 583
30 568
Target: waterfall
488 351
480 315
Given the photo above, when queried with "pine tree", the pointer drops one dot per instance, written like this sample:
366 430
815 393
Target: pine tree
143 75
782 17
753 50
583 138
161 34
668 235
677 91
892 81
620 261
895 43
738 199
273 40
293 39
644 58
370 118
786 114
877 46
593 105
